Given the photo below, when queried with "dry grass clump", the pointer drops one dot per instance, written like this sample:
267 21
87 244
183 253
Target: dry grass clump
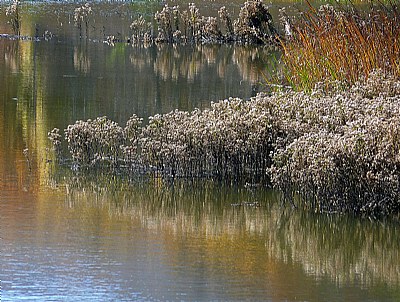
232 140
97 140
141 31
82 17
341 43
254 25
223 141
343 156
13 15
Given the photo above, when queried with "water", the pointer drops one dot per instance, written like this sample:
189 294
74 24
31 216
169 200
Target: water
68 236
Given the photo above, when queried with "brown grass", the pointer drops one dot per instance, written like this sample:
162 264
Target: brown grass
342 43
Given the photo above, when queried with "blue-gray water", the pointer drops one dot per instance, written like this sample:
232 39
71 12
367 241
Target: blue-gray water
68 237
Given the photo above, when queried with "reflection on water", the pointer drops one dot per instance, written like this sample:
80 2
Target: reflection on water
91 79
10 57
81 60
186 62
184 240
348 251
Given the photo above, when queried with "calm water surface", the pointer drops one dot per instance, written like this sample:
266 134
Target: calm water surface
67 236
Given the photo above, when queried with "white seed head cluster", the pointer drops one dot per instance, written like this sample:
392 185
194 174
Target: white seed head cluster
343 148
140 30
98 140
82 14
82 17
13 16
13 8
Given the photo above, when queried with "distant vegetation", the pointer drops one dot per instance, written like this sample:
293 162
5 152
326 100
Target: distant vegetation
254 25
342 42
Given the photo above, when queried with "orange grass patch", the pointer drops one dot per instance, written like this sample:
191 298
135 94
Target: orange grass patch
342 43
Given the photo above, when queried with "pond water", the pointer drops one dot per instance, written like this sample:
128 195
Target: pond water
67 236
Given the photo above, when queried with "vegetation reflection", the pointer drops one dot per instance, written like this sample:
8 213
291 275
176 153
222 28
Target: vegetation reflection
347 251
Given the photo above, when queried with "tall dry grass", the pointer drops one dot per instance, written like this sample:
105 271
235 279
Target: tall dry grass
342 43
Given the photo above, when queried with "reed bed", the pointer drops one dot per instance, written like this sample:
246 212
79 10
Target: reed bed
343 156
341 43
